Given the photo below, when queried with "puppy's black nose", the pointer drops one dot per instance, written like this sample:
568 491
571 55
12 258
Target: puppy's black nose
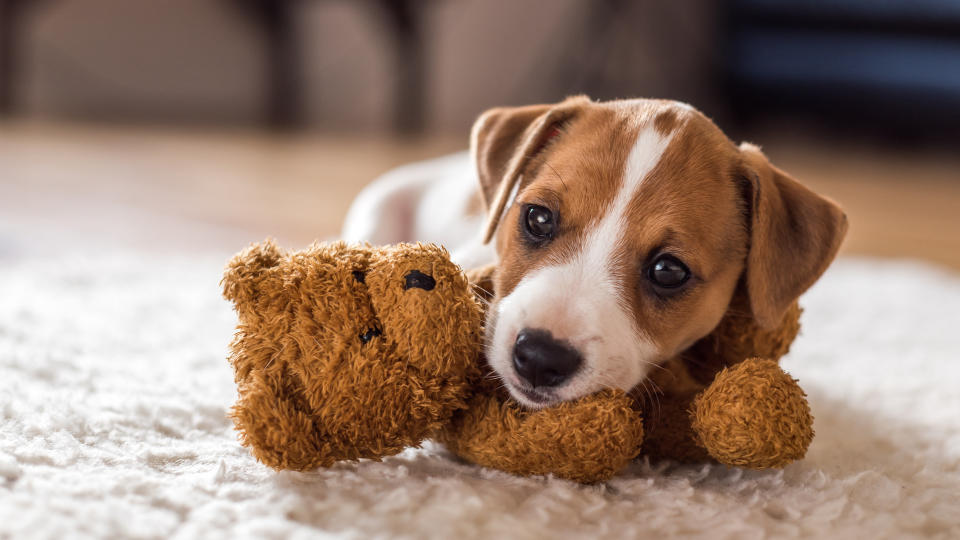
541 360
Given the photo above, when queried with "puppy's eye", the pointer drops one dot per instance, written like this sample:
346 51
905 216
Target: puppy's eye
539 222
668 272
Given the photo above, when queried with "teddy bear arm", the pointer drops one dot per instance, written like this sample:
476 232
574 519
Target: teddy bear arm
275 427
753 415
588 440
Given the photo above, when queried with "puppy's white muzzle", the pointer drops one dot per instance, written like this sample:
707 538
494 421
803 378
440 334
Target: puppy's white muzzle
585 314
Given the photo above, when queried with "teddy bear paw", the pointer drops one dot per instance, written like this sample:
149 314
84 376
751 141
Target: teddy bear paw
753 415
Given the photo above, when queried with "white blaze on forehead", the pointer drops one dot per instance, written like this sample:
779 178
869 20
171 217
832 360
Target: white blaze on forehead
581 300
602 242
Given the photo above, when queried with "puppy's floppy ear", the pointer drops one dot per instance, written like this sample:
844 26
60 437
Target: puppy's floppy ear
794 235
502 142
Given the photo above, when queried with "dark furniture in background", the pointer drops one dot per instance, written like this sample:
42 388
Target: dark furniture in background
276 21
886 66
11 27
402 22
891 66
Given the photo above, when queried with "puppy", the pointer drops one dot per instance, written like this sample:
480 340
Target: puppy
619 230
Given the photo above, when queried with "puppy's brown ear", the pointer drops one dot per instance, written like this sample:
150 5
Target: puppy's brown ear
794 235
503 141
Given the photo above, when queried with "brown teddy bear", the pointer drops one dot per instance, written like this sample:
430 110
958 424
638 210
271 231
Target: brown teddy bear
347 352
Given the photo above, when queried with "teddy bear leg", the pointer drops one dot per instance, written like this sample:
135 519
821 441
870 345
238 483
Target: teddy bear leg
753 415
277 429
588 440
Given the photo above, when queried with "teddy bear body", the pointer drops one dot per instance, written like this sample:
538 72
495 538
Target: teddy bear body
315 350
349 352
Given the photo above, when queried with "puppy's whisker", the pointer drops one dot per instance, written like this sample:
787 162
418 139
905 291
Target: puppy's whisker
657 392
653 398
482 294
656 365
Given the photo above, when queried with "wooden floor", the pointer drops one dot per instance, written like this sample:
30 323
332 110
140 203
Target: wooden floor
90 187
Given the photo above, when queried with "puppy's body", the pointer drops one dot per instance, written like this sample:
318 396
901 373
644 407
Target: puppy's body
620 232
434 201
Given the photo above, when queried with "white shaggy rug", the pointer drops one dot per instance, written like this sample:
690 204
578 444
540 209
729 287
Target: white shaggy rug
114 390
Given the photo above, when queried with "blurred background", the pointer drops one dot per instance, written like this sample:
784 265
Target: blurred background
198 125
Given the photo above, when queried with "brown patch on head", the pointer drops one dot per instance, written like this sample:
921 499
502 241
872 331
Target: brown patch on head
666 121
504 140
575 177
688 207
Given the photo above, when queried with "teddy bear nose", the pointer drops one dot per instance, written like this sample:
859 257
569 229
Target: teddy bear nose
542 360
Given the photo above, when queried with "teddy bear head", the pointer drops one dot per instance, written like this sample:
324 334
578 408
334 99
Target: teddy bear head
347 352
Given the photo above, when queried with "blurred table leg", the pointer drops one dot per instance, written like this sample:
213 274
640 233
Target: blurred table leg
13 21
404 23
9 9
276 19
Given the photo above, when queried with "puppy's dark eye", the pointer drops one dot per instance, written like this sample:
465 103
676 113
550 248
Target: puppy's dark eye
416 279
668 272
539 222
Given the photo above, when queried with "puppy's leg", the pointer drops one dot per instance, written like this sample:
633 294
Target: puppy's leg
669 434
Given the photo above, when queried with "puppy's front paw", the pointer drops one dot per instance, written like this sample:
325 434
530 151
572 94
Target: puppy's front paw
753 415
588 440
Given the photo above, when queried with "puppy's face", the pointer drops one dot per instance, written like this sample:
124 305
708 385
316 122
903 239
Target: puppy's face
623 229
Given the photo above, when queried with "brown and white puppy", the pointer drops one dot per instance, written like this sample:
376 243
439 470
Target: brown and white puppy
621 230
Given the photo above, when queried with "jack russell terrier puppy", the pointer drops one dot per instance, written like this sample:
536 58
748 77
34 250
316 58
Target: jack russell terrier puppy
619 230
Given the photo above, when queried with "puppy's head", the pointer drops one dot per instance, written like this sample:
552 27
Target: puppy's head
623 229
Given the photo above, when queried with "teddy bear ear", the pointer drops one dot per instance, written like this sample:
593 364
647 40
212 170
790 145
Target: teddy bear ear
246 269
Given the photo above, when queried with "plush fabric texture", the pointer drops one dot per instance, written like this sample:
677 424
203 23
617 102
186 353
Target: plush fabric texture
677 429
340 356
587 440
329 355
317 387
753 415
115 395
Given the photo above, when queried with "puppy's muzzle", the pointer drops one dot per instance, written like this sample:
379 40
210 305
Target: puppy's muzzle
543 361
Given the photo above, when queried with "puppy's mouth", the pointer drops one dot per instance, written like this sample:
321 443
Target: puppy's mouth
531 397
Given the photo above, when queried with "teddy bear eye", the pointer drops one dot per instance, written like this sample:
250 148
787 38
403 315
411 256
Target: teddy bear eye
371 333
416 279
